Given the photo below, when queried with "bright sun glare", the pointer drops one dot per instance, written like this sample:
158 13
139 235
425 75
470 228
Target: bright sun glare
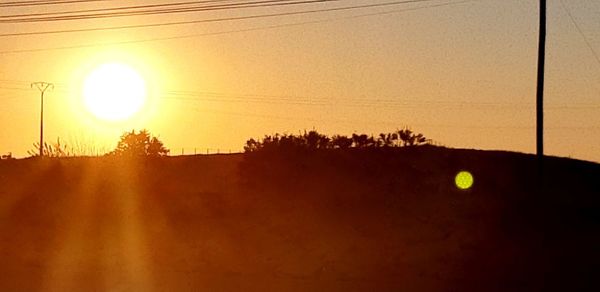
114 92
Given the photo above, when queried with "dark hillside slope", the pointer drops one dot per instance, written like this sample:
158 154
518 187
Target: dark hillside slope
504 233
356 220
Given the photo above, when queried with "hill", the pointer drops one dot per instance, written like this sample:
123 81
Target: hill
332 220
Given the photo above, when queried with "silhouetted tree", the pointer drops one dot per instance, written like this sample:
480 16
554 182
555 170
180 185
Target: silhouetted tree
409 138
372 142
388 140
134 144
341 142
324 142
419 139
405 136
395 139
314 140
360 141
288 142
156 148
252 145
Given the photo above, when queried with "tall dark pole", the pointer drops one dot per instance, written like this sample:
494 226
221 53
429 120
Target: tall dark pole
41 124
42 86
540 83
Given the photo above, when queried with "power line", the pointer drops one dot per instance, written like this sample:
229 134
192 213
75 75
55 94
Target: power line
322 101
585 39
415 102
122 8
255 4
265 15
140 8
256 16
248 29
13 88
371 122
46 2
375 103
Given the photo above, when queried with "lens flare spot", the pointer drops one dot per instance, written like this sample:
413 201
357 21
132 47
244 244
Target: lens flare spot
464 180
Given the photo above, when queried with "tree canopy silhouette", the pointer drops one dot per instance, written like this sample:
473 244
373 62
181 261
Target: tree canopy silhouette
140 144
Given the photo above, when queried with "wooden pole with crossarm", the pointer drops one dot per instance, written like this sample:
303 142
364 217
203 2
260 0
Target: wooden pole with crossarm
42 87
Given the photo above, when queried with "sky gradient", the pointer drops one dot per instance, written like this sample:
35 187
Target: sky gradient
462 73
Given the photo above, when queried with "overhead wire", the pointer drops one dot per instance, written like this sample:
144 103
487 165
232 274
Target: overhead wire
413 103
585 38
247 29
353 121
170 4
248 17
371 122
321 101
45 2
296 2
242 5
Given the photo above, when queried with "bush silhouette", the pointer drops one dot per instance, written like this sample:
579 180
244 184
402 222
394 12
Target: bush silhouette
140 144
409 138
8 156
341 142
313 140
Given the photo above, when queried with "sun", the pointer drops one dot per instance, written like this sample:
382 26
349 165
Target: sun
114 92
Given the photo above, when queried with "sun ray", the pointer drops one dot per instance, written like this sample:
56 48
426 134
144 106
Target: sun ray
73 259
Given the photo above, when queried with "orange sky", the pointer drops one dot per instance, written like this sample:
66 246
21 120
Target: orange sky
463 75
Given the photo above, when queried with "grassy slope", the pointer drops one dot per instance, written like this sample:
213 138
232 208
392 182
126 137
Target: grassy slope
326 221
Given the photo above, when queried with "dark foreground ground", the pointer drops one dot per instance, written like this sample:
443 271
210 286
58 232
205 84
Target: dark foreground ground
325 221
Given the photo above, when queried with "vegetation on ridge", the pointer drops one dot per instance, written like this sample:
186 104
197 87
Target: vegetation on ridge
134 144
314 140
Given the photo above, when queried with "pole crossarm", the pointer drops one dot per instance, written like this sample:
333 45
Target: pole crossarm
42 86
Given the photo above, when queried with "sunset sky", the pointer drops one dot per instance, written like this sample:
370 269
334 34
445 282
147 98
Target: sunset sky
461 72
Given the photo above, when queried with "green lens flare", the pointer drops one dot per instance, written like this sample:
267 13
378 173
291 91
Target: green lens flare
464 180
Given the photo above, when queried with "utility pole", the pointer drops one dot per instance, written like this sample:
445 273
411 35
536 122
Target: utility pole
42 87
540 83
